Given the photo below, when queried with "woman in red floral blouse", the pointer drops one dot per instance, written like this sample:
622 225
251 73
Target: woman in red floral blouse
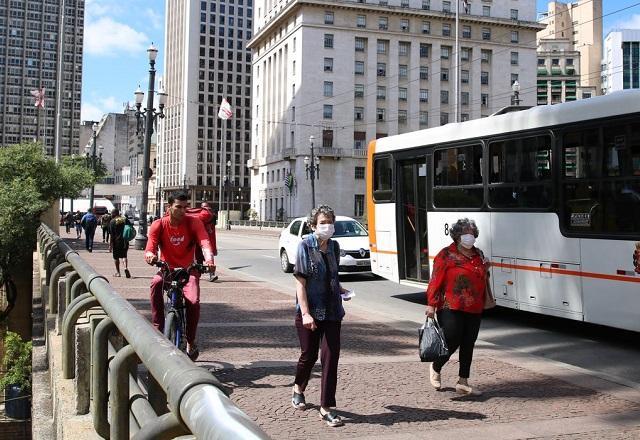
456 293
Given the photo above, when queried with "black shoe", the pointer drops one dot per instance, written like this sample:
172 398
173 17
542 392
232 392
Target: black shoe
127 273
212 278
298 402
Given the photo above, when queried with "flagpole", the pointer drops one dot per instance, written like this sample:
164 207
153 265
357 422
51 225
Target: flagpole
457 64
222 163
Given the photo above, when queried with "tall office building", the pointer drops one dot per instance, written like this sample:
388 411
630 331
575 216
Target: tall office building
621 60
41 47
206 60
347 72
581 23
558 75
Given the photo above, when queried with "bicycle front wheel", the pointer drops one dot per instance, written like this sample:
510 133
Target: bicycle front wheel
174 330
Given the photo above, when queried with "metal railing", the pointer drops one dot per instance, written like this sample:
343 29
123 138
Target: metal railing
179 398
259 224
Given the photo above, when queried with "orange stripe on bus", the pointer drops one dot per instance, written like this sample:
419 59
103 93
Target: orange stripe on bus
371 207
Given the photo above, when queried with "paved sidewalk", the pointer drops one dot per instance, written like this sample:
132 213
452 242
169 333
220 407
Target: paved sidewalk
248 341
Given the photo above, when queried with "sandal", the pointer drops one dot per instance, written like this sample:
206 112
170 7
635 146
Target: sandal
193 353
332 419
298 402
117 274
127 273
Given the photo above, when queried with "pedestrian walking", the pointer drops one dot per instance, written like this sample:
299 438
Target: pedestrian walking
77 218
105 220
319 312
209 220
68 221
456 296
89 223
118 246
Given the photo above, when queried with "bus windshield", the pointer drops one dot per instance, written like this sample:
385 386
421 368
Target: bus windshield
349 228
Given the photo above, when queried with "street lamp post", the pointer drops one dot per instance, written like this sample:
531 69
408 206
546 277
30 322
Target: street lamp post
312 168
515 87
228 184
92 159
150 115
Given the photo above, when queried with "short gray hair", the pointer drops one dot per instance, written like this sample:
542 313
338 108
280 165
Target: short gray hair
456 230
321 209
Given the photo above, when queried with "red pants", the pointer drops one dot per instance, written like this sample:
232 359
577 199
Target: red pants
191 293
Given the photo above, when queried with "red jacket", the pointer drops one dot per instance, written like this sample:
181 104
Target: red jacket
178 243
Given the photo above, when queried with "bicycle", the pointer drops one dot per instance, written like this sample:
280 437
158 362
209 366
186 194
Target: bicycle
174 310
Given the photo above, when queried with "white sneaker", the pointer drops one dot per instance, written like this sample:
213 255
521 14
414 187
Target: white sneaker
463 387
434 378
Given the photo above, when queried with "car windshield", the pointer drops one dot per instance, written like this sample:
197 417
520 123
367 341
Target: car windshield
349 228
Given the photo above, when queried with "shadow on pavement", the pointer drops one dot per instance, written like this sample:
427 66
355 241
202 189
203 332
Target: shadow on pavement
407 414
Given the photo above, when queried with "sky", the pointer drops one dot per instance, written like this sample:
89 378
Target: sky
119 32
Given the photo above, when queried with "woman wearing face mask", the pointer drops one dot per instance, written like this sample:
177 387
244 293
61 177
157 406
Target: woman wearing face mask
456 293
319 312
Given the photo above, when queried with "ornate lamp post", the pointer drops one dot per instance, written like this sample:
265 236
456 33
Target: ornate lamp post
312 168
515 87
149 115
92 160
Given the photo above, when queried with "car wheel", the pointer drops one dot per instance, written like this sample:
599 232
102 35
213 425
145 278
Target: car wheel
284 262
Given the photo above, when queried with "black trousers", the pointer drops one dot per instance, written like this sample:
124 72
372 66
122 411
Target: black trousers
460 330
328 332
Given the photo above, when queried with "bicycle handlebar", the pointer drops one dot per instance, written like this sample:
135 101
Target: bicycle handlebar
197 266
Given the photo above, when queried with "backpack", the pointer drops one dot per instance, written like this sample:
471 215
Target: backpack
129 232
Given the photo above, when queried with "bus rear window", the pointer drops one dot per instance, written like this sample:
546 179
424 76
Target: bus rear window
382 179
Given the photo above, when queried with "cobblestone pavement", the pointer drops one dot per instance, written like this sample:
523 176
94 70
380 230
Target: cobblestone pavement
248 341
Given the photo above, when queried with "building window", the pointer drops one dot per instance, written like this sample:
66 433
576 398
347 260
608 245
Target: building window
402 94
446 6
424 50
359 173
464 117
328 64
485 55
466 31
424 95
464 76
515 36
328 17
484 78
383 46
426 27
445 52
514 58
359 139
514 14
402 70
358 205
382 69
359 91
426 4
424 119
586 95
444 74
404 25
486 11
424 72
555 61
465 54
381 92
464 98
446 30
360 44
327 138
514 78
380 114
569 62
403 48
361 21
444 118
328 41
402 116
404 3
484 100
383 23
540 61
444 97
358 113
486 34
327 111
328 88
359 68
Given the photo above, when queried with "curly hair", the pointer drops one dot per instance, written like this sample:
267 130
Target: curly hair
321 209
456 230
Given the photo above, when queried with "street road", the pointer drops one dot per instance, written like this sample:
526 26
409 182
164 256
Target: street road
609 353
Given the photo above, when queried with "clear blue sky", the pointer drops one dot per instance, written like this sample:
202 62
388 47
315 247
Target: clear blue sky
118 33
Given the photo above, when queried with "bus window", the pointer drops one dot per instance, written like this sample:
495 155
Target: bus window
581 154
457 177
520 173
382 179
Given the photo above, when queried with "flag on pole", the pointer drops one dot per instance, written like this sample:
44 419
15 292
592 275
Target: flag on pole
38 96
225 111
466 4
289 181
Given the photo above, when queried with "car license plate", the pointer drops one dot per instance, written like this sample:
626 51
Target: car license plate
362 263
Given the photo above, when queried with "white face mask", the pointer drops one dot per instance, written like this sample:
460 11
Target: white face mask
324 231
467 240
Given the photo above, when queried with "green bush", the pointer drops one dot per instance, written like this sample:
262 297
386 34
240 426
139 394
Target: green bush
16 363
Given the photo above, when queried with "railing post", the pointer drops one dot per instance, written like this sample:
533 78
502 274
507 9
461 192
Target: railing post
53 285
99 376
119 392
76 308
166 427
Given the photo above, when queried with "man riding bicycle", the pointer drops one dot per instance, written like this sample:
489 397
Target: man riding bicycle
177 236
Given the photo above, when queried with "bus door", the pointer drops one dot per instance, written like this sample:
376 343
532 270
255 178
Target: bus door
414 261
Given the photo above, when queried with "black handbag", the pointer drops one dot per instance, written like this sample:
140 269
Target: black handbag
431 340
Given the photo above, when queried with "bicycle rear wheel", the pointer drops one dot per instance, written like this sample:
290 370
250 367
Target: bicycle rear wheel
174 330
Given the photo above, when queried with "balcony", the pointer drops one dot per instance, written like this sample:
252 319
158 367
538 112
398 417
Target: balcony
336 153
288 153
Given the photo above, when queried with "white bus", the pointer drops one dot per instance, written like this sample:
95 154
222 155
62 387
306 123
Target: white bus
554 190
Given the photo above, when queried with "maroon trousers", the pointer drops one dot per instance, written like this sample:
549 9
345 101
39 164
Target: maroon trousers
191 293
327 334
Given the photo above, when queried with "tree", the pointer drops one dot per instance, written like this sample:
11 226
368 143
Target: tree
30 183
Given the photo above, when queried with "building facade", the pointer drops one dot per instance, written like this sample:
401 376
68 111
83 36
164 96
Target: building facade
41 46
558 74
347 72
581 23
621 60
206 61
